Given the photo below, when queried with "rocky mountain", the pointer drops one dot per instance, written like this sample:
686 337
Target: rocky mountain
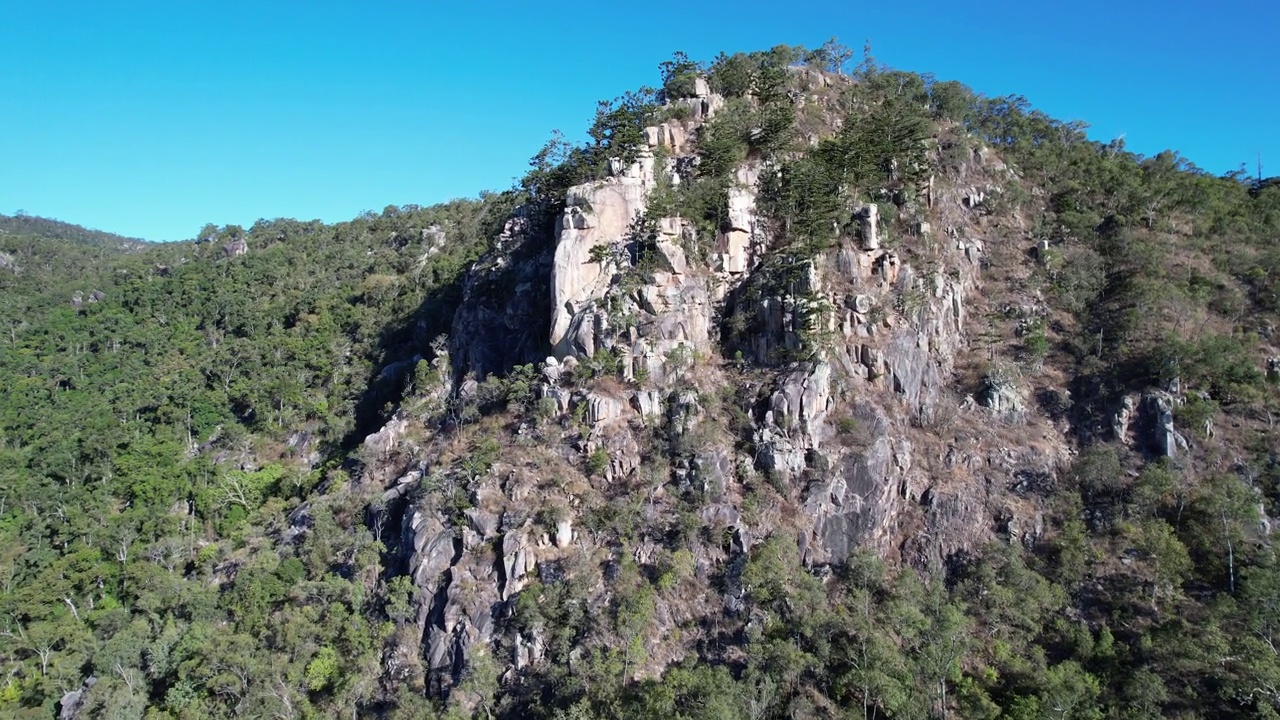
795 393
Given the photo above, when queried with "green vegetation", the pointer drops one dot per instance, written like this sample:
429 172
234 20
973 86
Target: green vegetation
187 514
137 545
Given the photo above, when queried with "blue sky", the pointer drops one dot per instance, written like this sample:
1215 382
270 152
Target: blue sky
151 119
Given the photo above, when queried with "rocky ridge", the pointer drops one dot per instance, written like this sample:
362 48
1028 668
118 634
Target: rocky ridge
869 441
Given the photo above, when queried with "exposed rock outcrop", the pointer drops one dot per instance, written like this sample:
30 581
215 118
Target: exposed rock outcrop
598 215
848 411
236 248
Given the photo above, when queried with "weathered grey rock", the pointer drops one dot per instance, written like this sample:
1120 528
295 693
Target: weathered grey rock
483 524
734 244
597 213
869 220
701 108
670 136
530 650
383 441
602 409
986 157
671 257
519 559
561 397
551 370
235 248
396 369
433 551
402 486
1122 420
853 502
777 453
1160 435
888 266
647 402
73 701
564 532
803 400
684 413
1001 395
505 314
713 470
1042 251
622 449
7 262
912 370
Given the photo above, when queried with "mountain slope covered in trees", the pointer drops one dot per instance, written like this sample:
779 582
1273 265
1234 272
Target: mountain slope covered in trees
794 392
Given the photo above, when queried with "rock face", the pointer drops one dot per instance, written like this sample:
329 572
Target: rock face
843 400
869 218
502 320
73 702
739 244
1144 421
1159 435
599 215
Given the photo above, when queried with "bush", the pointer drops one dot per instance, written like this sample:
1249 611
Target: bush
1036 343
1195 413
598 462
322 670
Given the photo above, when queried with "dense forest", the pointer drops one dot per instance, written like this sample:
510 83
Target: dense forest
193 525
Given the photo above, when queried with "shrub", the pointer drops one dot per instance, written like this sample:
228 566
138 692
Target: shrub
1036 343
598 462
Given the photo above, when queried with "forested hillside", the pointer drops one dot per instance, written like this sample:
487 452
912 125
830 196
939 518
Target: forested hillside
799 390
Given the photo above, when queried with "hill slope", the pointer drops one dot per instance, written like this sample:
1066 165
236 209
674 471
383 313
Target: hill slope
57 230
792 394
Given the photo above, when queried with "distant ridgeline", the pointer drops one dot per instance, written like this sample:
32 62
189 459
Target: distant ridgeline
800 390
29 225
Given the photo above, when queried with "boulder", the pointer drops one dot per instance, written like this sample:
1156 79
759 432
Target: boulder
1001 395
385 439
564 532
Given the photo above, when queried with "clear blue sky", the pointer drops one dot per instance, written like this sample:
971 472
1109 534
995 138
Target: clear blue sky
151 119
